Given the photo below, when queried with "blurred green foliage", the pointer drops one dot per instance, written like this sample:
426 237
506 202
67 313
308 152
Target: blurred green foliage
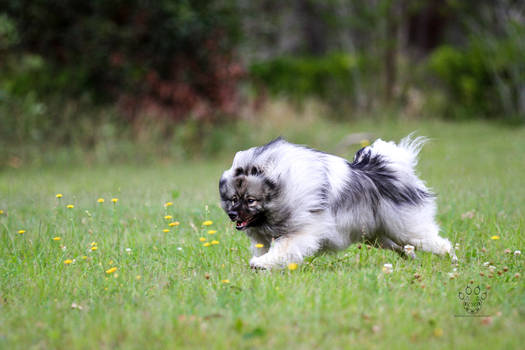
332 77
159 55
139 79
8 33
484 79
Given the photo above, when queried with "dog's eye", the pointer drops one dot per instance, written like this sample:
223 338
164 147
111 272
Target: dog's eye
251 200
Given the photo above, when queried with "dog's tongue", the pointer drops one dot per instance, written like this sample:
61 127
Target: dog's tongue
241 224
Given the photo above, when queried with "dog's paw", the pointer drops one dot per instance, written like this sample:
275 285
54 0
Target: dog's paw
258 264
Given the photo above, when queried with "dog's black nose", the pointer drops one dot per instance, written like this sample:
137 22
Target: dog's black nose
232 215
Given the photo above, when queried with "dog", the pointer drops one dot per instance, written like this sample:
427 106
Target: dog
293 201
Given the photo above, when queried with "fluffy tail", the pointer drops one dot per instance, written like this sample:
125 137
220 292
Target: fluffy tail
405 153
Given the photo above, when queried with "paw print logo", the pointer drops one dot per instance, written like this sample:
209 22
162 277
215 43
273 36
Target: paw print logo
472 298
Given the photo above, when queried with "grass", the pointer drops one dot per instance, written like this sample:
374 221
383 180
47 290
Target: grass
169 291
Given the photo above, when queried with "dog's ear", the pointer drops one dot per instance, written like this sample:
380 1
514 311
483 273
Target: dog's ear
255 171
223 188
271 189
240 183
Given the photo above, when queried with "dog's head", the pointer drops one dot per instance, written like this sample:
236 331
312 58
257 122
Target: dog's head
246 195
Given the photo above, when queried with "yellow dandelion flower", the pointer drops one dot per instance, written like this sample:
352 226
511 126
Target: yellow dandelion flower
21 232
138 277
438 332
70 206
207 244
167 204
111 270
100 200
56 238
365 142
84 257
225 281
114 200
292 266
175 223
212 232
494 237
1 211
168 217
59 195
259 245
207 223
165 230
93 243
68 261
202 239
214 242
94 248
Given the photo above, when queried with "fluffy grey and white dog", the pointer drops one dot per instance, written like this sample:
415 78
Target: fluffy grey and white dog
294 201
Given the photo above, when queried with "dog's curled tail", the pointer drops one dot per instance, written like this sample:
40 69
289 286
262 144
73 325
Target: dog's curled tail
413 145
404 153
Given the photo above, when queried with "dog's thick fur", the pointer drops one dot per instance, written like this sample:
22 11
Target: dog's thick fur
297 201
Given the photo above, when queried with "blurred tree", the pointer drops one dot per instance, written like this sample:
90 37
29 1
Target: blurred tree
182 57
154 57
426 24
314 31
483 75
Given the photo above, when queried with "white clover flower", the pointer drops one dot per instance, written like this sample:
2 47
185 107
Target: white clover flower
492 268
486 264
76 306
179 248
387 268
408 249
517 252
128 250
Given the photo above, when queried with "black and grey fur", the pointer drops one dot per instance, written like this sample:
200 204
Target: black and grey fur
297 201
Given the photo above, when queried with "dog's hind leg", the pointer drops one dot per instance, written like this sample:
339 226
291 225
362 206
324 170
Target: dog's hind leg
435 244
386 243
416 226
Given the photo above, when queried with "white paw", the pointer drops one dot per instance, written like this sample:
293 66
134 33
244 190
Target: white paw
259 264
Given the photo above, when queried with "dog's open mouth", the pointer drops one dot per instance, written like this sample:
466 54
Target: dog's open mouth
241 225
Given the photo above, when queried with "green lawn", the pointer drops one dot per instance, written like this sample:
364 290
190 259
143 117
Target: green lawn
170 291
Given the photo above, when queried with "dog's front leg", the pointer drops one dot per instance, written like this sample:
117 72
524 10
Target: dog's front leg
259 247
292 248
259 244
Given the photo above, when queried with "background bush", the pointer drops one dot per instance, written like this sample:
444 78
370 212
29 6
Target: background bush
485 78
168 58
179 75
330 77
